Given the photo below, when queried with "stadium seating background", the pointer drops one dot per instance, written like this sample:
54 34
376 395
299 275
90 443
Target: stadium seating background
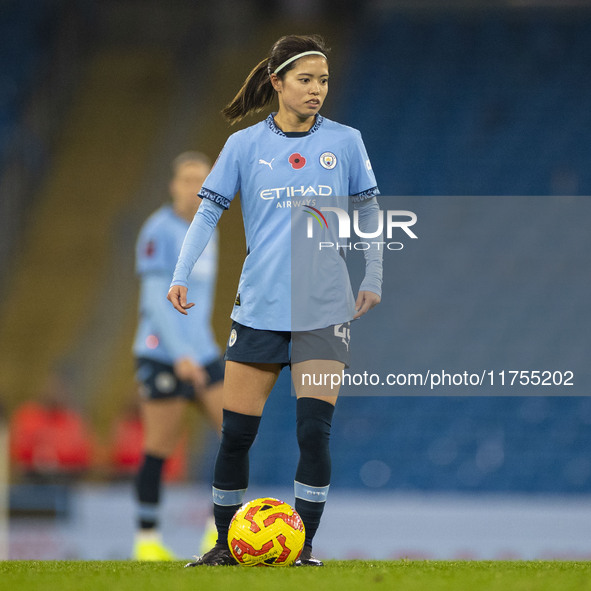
492 103
472 104
22 38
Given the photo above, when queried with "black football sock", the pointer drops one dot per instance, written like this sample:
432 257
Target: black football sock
147 486
230 477
314 419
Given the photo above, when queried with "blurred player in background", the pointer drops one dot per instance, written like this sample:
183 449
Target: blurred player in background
273 164
177 358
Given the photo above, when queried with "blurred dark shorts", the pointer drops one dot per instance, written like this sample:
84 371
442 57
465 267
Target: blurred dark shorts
252 345
157 380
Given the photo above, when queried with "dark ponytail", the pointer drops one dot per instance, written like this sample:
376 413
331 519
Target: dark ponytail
257 91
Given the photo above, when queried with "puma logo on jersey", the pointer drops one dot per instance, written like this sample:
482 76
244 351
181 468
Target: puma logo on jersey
269 164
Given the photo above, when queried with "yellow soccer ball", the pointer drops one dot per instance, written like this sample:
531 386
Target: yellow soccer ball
266 532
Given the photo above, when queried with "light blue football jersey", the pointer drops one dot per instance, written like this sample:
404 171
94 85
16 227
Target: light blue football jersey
278 174
163 334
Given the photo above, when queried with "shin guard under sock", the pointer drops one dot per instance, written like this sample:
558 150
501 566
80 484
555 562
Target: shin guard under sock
314 419
230 478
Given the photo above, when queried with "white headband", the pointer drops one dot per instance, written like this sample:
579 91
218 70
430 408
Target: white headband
295 57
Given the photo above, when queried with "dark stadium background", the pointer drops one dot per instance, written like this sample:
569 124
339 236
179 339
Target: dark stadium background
479 99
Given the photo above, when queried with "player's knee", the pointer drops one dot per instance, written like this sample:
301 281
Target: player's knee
235 441
313 434
161 445
161 450
238 432
314 418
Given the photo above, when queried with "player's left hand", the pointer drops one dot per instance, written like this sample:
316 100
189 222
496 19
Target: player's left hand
177 296
366 300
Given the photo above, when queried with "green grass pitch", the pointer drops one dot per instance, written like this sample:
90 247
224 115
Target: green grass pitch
355 575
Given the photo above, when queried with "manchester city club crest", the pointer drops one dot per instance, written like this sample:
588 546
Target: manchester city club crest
328 160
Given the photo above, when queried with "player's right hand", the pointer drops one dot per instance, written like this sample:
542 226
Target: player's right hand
177 296
187 370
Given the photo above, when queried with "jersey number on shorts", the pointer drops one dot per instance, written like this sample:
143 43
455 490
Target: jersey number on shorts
343 332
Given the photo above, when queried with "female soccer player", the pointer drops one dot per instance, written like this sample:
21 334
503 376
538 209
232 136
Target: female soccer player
290 160
178 361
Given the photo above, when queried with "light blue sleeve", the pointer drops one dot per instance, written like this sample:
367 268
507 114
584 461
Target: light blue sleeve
196 239
170 326
362 181
223 181
369 212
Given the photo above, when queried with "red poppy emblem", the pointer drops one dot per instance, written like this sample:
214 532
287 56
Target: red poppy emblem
297 161
150 248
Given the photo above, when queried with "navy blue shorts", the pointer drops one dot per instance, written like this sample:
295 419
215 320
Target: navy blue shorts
252 345
157 380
